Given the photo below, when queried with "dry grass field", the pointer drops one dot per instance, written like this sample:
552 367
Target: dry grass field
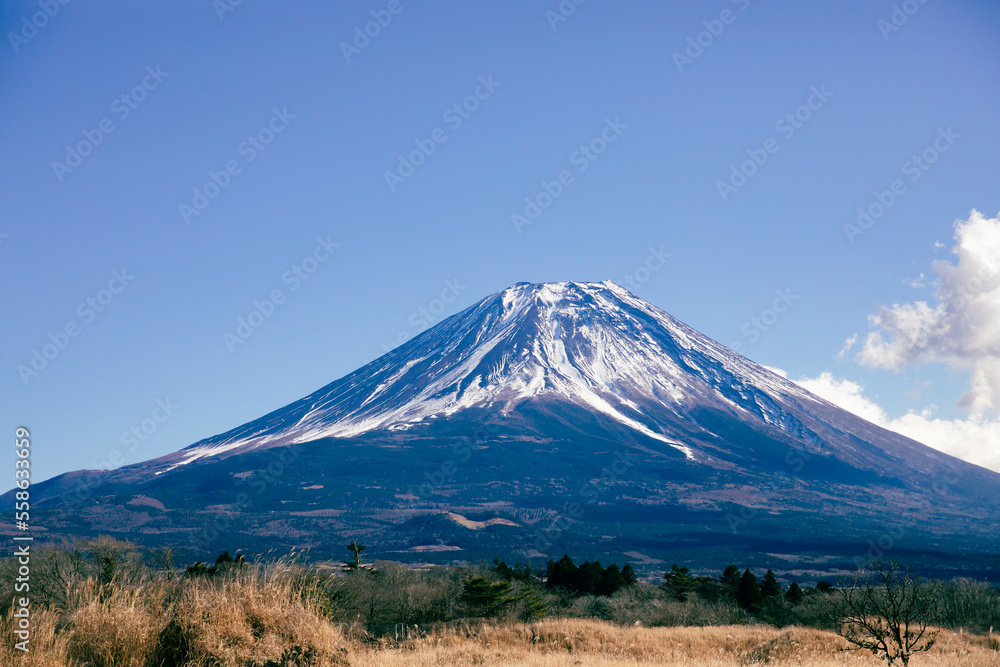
567 642
238 622
275 616
125 640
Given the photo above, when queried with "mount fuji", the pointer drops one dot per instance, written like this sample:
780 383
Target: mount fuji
550 418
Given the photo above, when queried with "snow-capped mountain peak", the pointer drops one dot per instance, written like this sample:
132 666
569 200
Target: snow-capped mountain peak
595 345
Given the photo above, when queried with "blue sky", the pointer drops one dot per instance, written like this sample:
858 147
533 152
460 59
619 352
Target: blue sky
308 129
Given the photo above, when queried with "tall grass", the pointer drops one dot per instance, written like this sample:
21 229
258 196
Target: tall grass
114 625
247 619
565 642
49 646
105 605
254 616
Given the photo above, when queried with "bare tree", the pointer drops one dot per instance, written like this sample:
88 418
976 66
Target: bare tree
885 610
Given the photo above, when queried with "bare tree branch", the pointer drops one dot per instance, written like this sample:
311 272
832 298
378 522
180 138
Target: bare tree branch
885 610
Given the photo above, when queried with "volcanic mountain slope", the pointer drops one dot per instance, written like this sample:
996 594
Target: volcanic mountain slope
549 418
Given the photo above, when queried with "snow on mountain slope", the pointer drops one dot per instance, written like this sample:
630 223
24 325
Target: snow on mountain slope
593 344
663 437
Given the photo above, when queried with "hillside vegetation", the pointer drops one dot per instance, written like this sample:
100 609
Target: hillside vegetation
106 604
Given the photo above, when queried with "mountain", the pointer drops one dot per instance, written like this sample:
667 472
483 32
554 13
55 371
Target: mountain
552 418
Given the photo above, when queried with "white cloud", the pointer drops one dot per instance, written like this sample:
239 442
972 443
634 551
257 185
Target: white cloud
846 394
962 329
976 440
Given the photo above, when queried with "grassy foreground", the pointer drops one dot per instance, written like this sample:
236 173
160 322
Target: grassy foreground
241 623
558 642
98 611
124 640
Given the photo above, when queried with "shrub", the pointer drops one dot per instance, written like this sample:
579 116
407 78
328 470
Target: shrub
964 604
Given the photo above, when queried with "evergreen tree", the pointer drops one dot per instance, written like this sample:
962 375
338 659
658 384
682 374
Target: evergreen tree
355 563
709 588
748 594
502 569
679 582
531 608
524 573
198 569
485 597
794 594
730 581
824 587
611 580
589 577
770 587
561 574
226 562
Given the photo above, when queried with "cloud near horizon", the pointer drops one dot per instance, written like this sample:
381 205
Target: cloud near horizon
961 329
976 440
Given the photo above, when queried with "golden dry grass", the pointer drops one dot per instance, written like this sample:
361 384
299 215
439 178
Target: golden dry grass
118 628
567 642
48 647
241 621
258 617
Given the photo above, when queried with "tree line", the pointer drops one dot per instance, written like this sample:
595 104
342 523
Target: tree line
744 589
882 608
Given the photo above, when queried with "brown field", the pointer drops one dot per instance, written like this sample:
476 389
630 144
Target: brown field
567 642
275 616
126 638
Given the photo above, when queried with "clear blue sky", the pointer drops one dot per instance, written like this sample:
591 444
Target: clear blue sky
218 81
